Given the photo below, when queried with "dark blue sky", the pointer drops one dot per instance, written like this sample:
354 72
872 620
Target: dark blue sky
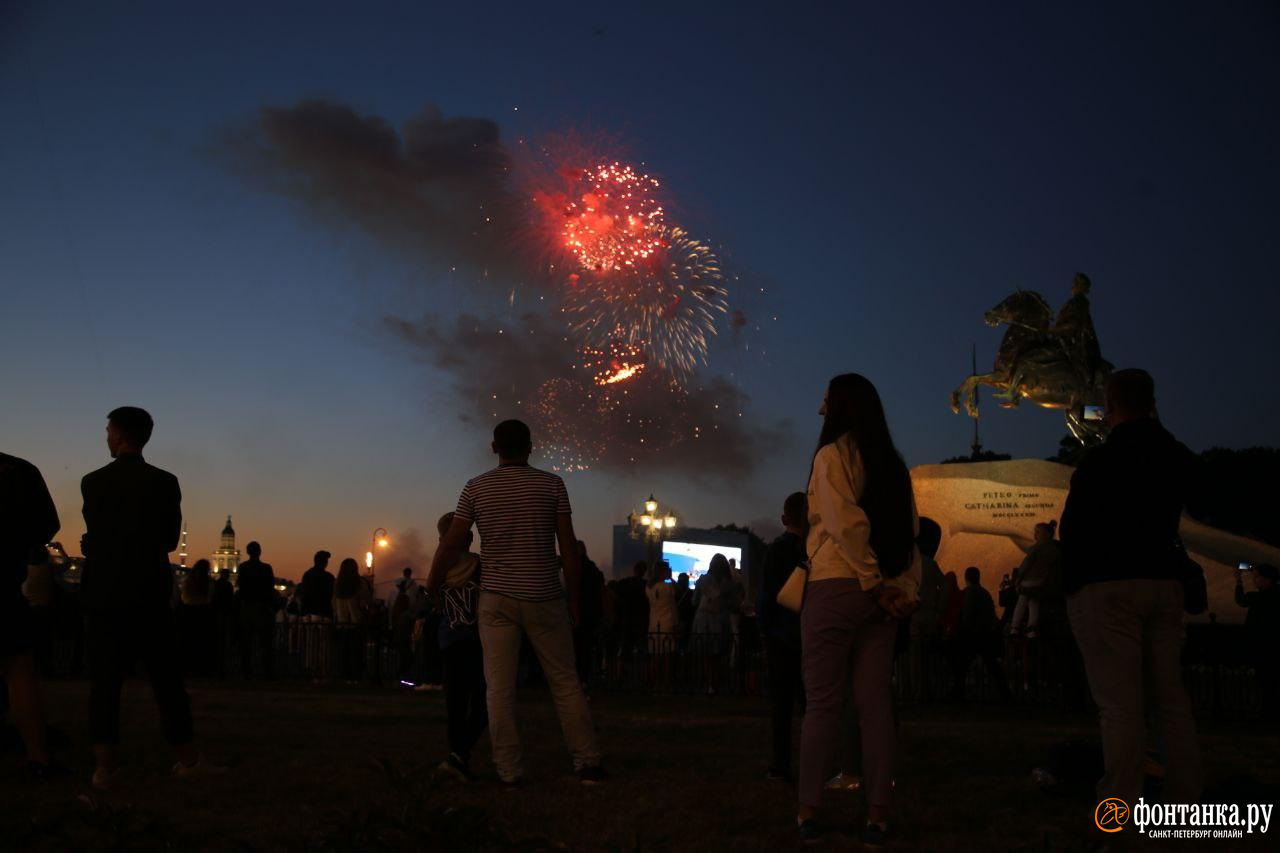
887 171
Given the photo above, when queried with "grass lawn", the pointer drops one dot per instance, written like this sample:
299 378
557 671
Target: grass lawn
353 768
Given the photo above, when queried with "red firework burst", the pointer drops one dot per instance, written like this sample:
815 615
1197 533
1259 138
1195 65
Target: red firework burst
612 217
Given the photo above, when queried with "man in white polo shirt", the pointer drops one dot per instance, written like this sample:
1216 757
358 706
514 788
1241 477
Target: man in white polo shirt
522 513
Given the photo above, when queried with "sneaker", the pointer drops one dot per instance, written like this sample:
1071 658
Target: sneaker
593 775
1032 633
202 767
810 831
844 782
103 779
873 834
456 767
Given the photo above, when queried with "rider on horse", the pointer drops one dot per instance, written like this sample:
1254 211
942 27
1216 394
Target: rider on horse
1074 330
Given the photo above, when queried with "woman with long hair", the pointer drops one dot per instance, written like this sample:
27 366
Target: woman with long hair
349 604
350 601
864 576
712 631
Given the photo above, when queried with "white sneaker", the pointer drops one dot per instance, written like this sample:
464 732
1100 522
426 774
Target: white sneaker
202 767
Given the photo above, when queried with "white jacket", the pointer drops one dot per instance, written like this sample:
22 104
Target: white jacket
839 543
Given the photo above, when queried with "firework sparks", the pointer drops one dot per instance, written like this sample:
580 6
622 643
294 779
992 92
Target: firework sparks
570 420
668 306
624 373
612 363
612 218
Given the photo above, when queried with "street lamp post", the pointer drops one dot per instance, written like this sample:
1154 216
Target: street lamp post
652 526
379 540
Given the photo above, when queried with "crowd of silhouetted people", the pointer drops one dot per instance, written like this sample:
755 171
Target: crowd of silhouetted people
852 615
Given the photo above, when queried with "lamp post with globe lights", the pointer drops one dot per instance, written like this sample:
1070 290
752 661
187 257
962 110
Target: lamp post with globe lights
652 526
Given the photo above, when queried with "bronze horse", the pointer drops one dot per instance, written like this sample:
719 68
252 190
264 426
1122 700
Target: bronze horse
1035 363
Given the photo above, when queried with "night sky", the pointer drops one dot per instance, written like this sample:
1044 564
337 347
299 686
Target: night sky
884 174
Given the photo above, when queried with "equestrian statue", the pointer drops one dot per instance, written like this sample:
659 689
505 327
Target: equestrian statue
1054 363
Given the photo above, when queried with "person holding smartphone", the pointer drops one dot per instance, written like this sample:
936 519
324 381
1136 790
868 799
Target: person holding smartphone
1262 624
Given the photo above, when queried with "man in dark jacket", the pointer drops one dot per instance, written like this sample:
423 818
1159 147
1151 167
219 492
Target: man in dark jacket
317 589
28 520
976 636
256 596
1123 565
780 630
634 598
133 518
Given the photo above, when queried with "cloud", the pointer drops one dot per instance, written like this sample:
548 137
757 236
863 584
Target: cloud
437 188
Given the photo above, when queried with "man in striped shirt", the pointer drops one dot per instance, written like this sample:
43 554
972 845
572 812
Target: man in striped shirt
522 513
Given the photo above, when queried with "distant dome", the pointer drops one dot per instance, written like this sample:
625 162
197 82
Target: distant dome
227 557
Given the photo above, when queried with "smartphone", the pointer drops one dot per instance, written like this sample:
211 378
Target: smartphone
1244 566
1094 413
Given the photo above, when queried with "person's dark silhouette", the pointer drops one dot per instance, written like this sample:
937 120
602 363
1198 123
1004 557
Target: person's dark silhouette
780 629
977 635
1262 626
586 632
197 625
529 593
28 520
133 519
462 656
635 610
350 602
1123 570
316 593
684 608
226 624
256 597
317 589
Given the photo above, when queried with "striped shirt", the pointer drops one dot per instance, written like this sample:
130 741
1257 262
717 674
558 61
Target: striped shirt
515 508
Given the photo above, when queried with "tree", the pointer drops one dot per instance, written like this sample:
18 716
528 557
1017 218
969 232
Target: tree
1239 491
980 456
1070 451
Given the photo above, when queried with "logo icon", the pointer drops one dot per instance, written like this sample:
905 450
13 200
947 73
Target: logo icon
1111 815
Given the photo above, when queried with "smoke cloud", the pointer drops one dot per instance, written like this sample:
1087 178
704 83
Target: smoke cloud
406 548
442 191
437 188
496 370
